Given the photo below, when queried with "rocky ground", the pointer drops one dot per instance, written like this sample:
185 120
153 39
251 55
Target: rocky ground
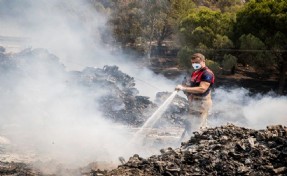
16 169
225 150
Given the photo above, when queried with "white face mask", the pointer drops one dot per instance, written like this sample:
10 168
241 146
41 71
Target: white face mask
196 66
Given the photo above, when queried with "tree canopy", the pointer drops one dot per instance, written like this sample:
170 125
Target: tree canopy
261 27
250 32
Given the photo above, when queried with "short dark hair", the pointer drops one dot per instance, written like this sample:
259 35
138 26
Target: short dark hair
198 55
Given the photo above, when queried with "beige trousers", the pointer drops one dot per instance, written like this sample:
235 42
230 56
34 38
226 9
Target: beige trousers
198 109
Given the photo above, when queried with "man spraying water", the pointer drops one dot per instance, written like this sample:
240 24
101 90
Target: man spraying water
198 91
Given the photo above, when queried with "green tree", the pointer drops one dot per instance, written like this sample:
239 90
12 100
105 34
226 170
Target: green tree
214 66
264 22
254 52
181 8
184 57
207 30
155 25
223 5
140 23
126 23
229 63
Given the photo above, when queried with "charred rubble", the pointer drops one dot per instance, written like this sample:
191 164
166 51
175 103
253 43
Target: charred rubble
17 169
176 110
119 99
225 150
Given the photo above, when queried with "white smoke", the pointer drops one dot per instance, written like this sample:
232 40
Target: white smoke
71 30
40 112
265 111
239 106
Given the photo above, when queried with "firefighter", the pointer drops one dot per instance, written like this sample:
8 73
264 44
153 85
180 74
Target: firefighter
198 91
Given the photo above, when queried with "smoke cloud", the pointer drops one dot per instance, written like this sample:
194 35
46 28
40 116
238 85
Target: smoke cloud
72 31
239 106
43 113
39 112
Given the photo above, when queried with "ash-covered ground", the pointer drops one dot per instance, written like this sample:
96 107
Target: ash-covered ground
25 81
225 150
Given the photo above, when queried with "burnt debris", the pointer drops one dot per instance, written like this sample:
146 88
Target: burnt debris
12 168
225 150
176 110
114 92
121 101
118 97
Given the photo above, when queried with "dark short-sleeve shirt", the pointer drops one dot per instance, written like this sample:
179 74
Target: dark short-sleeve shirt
204 74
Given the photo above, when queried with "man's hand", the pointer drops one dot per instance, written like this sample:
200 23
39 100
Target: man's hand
179 87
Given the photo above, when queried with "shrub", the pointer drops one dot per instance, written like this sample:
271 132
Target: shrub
214 66
229 63
184 55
